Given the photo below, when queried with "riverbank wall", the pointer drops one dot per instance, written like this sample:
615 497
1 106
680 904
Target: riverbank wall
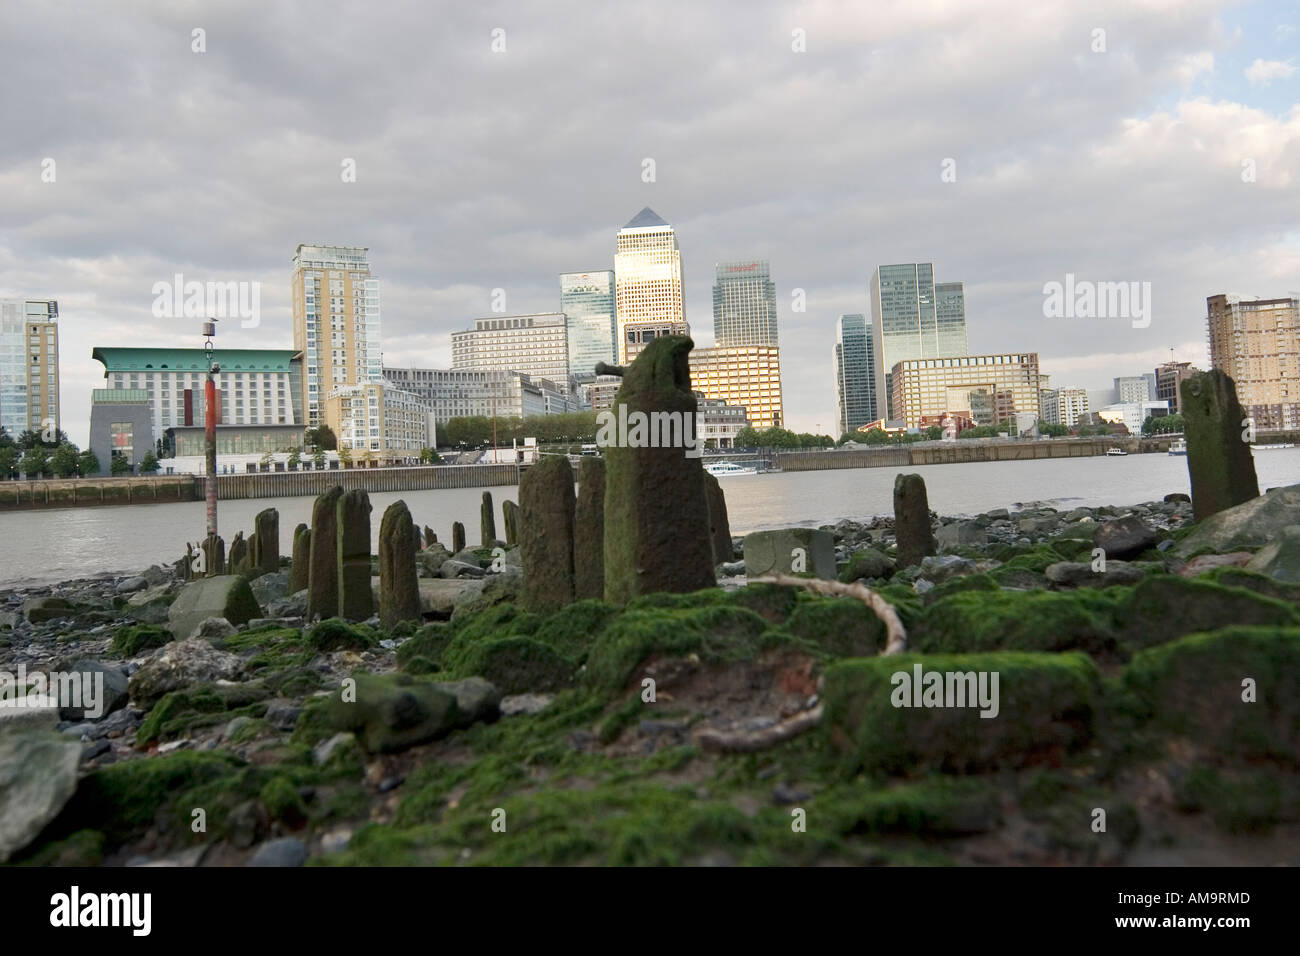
158 489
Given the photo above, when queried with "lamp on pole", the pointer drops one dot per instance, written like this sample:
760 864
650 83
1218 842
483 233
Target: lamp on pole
210 426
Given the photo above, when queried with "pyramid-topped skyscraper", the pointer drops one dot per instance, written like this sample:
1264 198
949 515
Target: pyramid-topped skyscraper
648 284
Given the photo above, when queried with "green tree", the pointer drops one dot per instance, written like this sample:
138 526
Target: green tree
345 455
747 437
933 432
88 463
35 461
430 456
119 466
1054 431
63 461
322 436
295 457
318 456
6 440
29 439
8 461
149 464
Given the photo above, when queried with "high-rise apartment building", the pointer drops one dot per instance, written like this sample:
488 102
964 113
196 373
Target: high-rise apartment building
587 301
1168 378
29 367
914 318
335 320
380 423
1257 343
537 344
1064 406
855 373
748 375
648 284
744 304
987 389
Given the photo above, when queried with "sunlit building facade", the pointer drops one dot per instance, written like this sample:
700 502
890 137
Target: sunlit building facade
744 304
914 318
988 389
648 284
747 375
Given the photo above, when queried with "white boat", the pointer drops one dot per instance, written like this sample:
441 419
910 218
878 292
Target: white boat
1178 447
729 469
1115 452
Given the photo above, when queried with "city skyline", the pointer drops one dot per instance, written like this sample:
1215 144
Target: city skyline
1179 103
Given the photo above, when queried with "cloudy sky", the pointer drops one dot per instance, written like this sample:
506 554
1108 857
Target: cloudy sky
1122 155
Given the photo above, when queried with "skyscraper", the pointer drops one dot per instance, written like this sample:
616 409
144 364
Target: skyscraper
587 301
335 320
744 304
29 366
855 373
536 344
914 318
1135 388
648 284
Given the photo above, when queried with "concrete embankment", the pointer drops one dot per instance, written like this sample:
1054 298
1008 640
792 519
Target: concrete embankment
81 492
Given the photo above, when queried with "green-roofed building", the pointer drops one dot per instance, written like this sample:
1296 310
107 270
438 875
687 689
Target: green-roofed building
254 386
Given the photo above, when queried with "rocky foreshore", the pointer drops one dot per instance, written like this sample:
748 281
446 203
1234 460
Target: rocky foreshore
648 733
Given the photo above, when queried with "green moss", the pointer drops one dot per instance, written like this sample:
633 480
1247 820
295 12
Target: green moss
1046 710
131 640
938 806
1245 800
1161 608
426 645
180 712
499 620
335 634
1193 688
845 627
514 665
1065 808
83 848
718 633
571 631
1253 581
1036 559
772 602
867 563
280 797
1018 620
967 582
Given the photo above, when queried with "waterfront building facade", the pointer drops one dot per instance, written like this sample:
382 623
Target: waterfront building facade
380 423
536 344
336 320
988 389
717 423
1135 388
749 376
487 392
1064 406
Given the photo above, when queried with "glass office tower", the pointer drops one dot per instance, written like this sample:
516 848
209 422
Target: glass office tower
587 301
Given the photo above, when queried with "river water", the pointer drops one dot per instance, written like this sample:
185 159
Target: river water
48 546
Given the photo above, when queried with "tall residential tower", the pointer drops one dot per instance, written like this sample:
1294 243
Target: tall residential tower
1257 343
29 366
335 321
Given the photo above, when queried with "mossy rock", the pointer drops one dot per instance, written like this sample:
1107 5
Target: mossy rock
335 634
83 848
980 581
514 665
131 640
716 633
270 649
1035 559
499 620
1165 607
1240 800
1018 621
1252 581
427 646
572 630
1046 705
845 627
772 602
125 798
940 806
390 713
1064 807
180 712
283 802
1070 548
868 563
1193 688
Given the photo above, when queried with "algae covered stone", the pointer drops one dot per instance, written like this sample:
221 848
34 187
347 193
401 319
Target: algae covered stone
323 573
392 713
790 551
355 600
227 596
912 530
589 530
399 585
1219 460
38 774
546 510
